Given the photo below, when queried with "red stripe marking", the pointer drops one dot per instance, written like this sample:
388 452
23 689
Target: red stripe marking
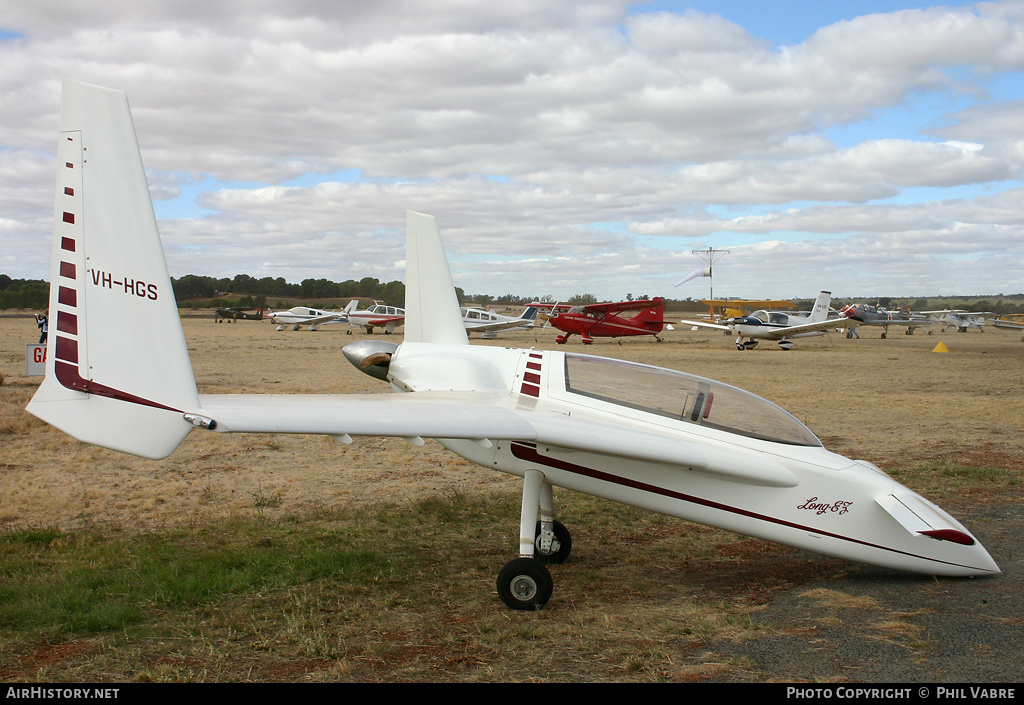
67 322
67 269
528 452
66 296
67 243
533 366
531 377
530 390
67 349
68 376
69 217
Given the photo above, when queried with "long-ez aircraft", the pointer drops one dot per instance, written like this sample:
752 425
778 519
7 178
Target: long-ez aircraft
667 441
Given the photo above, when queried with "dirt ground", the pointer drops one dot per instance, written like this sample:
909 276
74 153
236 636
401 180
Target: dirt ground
893 401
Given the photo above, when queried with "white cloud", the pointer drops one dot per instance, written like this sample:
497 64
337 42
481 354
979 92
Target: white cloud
602 127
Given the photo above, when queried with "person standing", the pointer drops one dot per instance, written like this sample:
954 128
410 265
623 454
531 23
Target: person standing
43 321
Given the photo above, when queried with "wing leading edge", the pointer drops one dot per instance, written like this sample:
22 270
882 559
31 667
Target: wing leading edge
478 416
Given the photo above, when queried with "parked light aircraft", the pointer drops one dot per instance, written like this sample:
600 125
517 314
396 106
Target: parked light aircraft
959 320
233 313
721 309
488 323
304 315
118 375
777 325
1014 321
603 320
868 315
377 316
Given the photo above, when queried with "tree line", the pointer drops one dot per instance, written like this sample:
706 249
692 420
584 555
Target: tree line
24 293
197 290
192 286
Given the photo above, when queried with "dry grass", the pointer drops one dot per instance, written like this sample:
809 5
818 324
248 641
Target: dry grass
642 594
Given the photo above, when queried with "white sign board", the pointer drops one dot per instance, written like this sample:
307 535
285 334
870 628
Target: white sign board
35 359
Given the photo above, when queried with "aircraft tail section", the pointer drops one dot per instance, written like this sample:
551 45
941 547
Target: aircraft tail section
117 368
530 314
654 315
432 313
820 310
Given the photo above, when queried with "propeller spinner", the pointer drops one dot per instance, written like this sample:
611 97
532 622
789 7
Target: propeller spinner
371 356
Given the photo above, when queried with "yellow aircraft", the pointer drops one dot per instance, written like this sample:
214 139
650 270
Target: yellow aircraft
737 308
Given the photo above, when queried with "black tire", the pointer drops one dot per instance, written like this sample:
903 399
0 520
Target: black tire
564 539
525 584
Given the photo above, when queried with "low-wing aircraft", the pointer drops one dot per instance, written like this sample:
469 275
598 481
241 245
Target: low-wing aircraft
377 316
957 319
489 323
118 375
869 315
234 313
304 315
781 326
604 320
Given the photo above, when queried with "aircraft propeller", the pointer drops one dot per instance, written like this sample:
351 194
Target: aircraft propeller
371 356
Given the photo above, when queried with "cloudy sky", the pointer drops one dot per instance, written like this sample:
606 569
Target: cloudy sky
871 148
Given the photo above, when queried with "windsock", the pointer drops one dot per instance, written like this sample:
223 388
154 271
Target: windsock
699 272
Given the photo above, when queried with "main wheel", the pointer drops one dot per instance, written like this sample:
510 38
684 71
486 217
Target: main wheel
525 584
560 547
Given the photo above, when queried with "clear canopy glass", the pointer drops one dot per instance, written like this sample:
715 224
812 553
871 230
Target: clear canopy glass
685 397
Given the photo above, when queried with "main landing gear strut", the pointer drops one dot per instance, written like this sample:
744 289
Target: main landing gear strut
525 583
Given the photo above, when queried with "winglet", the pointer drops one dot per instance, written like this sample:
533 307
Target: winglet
117 368
432 312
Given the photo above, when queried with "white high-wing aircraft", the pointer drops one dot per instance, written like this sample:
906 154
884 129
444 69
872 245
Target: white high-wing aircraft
778 325
303 315
666 441
958 319
488 323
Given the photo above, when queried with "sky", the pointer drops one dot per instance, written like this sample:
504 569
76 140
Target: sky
869 148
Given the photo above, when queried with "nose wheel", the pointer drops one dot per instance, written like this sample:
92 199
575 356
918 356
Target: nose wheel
525 583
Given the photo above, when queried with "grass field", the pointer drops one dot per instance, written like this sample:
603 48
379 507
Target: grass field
297 558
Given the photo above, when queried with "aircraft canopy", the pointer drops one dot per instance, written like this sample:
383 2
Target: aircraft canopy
686 397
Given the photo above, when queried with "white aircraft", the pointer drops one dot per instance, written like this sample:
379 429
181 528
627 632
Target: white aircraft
778 325
377 316
957 319
666 441
488 323
303 315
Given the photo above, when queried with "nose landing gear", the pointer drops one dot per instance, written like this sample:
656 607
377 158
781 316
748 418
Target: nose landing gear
525 583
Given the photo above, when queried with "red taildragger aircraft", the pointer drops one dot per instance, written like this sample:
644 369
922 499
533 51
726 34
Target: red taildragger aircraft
603 320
